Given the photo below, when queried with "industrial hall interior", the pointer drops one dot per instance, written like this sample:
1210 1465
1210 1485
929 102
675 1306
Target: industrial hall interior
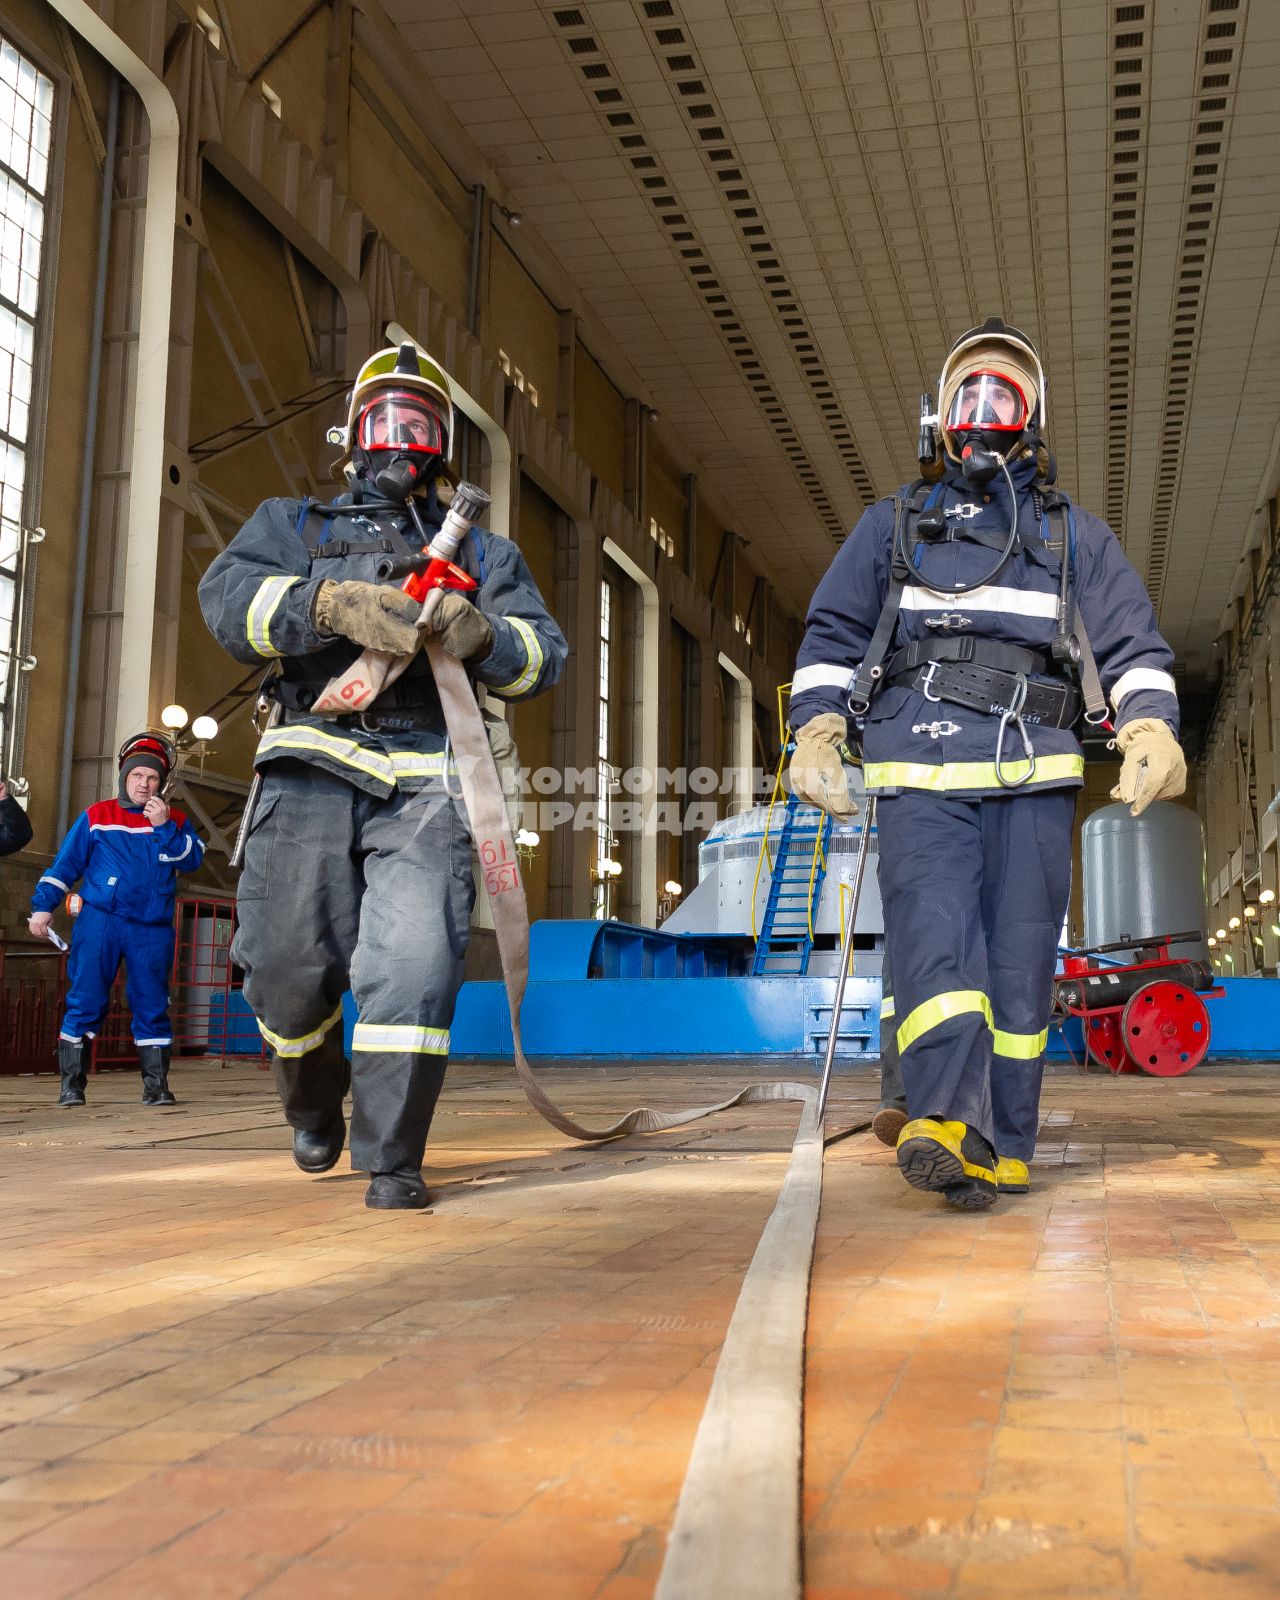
639 799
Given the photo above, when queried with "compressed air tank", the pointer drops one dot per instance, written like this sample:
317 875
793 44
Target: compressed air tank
1143 876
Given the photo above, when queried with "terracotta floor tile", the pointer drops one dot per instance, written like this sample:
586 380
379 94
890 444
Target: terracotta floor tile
435 1543
480 1579
170 1575
252 1387
329 1581
41 1575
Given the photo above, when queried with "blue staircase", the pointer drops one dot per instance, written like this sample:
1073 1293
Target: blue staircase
784 944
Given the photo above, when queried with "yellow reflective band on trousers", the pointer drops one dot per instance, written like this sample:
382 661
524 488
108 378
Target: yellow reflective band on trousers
886 1008
400 1037
533 660
412 764
1020 1046
270 592
299 1047
954 1003
948 776
344 751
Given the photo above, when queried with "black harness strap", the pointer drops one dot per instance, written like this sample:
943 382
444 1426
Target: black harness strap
313 517
1057 512
868 677
968 647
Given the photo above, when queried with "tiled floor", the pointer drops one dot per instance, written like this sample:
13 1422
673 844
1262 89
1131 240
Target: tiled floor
220 1379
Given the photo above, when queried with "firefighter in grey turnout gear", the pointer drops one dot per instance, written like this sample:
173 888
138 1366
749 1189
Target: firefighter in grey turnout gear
357 860
964 630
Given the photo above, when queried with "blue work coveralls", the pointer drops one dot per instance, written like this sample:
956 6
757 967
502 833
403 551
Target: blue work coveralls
357 864
129 870
975 876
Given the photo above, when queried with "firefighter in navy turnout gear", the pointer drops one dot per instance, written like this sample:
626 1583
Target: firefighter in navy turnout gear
964 630
357 860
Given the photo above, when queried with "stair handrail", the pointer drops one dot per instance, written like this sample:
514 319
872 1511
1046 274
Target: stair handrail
819 854
764 843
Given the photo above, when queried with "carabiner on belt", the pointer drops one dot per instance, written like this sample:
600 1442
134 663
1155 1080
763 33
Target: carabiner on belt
1013 713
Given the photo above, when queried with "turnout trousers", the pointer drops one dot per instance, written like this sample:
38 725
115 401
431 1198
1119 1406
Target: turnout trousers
100 942
974 894
344 889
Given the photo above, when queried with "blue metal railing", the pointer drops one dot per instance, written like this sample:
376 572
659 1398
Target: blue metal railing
795 891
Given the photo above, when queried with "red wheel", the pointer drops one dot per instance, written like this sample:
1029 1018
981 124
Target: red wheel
1102 1037
1165 1028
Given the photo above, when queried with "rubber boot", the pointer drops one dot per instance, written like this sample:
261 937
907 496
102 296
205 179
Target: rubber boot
950 1158
73 1064
1012 1176
153 1062
396 1191
312 1089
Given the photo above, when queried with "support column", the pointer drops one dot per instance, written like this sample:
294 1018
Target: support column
691 526
337 95
566 372
578 566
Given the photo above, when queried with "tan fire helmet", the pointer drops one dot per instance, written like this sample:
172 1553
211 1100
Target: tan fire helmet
992 381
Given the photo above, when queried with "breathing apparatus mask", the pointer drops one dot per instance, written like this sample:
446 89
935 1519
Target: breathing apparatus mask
399 442
991 410
399 427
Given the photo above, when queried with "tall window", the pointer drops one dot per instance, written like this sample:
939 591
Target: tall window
604 770
26 111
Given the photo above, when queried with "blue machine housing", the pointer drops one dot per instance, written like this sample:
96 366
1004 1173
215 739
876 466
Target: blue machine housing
610 989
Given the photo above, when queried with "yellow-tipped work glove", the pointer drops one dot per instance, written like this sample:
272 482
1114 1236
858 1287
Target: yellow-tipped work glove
1154 766
817 773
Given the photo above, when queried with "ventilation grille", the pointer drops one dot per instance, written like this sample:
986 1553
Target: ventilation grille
1129 90
654 182
1202 198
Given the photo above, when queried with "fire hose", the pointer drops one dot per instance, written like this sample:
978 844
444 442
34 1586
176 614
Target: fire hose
737 1523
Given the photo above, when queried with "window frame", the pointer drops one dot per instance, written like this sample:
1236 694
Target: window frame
13 713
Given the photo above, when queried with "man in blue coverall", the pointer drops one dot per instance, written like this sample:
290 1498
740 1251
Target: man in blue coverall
129 852
357 861
954 627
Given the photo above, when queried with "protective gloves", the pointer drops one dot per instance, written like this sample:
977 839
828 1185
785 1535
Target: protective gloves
817 773
462 630
1154 766
370 614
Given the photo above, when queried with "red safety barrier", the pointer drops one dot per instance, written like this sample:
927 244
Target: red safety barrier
33 993
208 1017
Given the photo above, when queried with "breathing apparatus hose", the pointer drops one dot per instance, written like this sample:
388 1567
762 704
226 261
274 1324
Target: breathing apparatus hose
903 555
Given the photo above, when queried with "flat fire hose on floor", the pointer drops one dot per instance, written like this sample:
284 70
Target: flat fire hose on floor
737 1529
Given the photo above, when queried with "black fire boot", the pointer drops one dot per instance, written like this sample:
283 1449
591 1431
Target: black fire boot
153 1061
312 1089
73 1064
396 1191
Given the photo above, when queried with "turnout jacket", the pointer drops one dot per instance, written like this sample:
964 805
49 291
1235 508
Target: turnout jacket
257 599
913 743
129 868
